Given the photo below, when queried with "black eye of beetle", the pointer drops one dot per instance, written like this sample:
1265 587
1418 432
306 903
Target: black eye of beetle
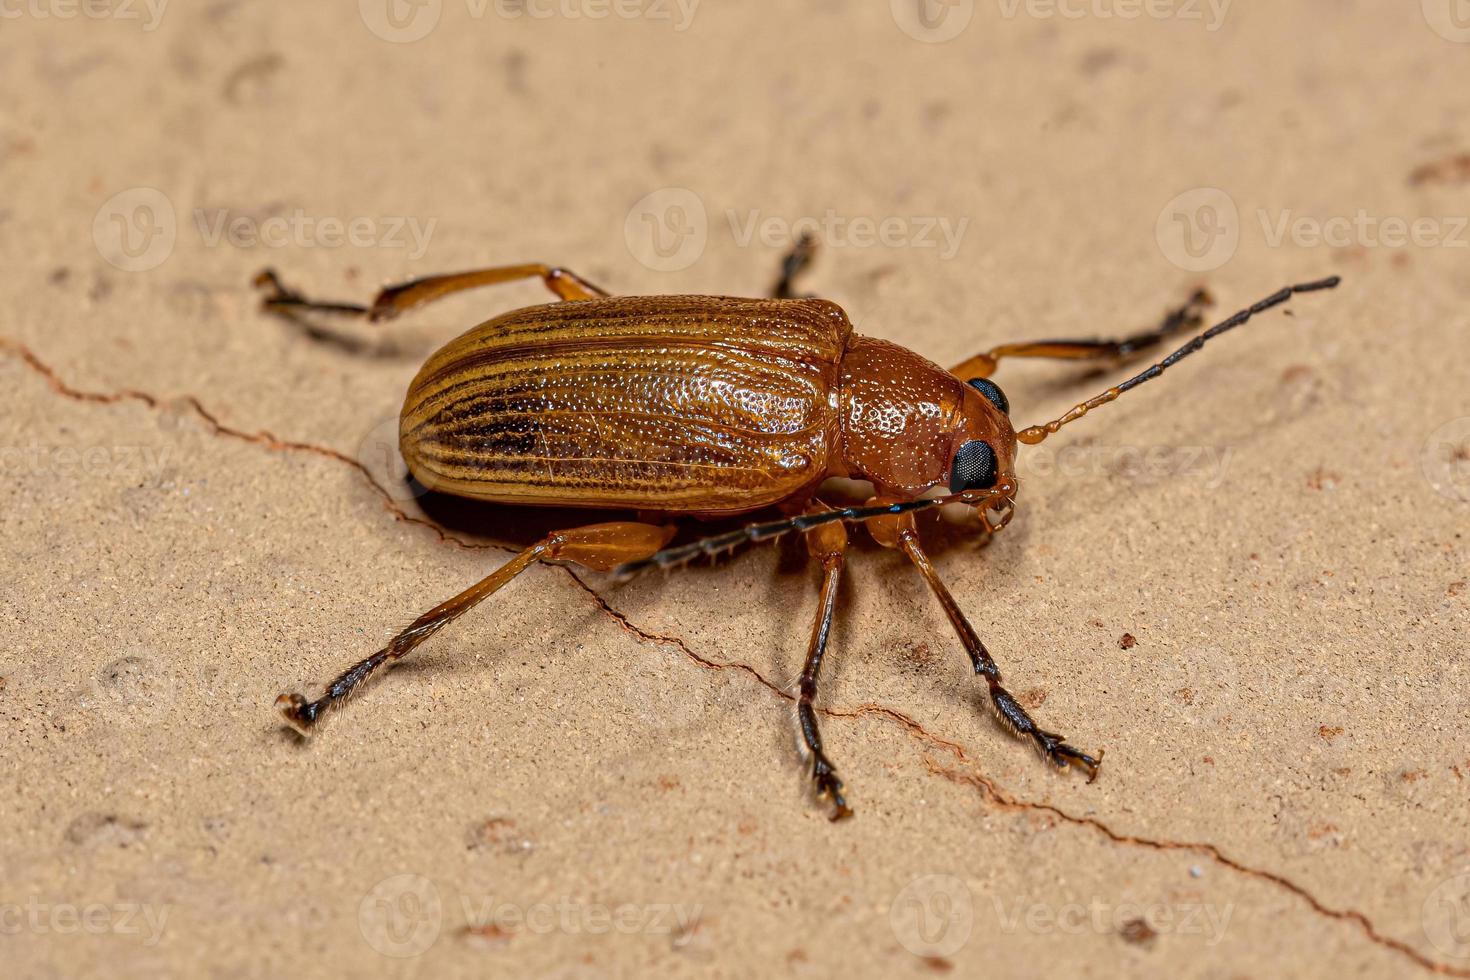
992 393
973 467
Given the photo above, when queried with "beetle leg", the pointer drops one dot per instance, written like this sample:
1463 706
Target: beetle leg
597 546
827 545
793 265
393 300
1187 317
901 532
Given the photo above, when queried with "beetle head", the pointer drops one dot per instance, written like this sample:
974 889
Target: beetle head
913 429
983 448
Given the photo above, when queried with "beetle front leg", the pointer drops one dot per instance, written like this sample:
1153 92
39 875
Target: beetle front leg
597 546
901 532
393 300
1186 317
827 545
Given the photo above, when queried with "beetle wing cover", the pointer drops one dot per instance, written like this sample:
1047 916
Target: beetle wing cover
680 403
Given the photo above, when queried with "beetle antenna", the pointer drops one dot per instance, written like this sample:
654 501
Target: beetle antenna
716 544
1036 433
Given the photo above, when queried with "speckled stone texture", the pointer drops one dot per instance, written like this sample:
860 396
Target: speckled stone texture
1246 581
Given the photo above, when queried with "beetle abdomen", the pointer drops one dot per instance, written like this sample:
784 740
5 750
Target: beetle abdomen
688 404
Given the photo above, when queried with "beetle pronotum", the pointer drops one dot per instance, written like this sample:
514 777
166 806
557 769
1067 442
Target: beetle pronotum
707 407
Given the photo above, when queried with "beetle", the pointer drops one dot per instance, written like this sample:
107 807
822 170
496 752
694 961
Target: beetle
710 407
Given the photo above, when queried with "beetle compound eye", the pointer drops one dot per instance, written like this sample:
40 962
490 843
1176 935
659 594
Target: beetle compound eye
992 393
973 468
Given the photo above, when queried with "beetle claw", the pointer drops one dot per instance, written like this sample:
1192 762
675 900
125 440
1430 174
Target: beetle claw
829 787
1063 756
299 713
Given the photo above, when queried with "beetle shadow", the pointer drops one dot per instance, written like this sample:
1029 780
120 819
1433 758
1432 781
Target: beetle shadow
506 524
519 526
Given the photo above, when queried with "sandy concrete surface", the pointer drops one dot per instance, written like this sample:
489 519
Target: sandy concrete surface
1246 581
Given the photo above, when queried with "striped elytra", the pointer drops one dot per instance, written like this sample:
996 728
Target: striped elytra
681 404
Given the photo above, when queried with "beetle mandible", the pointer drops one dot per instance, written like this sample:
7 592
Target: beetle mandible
706 407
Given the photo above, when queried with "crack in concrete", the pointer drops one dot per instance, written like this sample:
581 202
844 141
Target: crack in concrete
986 787
261 437
972 777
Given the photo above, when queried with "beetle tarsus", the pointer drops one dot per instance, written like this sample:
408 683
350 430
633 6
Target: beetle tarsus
281 299
1063 756
829 787
299 713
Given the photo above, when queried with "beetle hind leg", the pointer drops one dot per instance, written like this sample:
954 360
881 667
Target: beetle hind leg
597 546
393 300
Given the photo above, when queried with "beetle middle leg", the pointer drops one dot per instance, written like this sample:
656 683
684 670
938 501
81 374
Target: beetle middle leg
393 300
827 545
794 264
900 532
598 546
1186 317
